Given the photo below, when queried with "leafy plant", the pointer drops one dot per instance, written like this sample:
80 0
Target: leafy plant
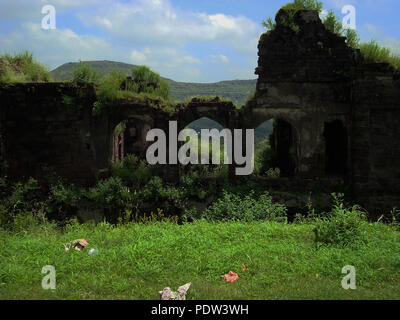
248 208
333 24
22 67
373 52
113 195
144 80
341 227
84 73
133 172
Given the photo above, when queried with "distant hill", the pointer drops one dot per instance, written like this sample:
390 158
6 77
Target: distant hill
236 90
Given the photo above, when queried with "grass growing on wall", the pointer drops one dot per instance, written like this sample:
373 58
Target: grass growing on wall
373 52
22 67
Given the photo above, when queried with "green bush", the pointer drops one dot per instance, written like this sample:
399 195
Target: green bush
84 73
24 195
247 208
341 227
147 81
110 88
113 196
29 220
373 52
63 201
22 67
333 24
157 196
131 171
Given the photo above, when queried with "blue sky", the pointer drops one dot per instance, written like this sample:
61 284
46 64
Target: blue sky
185 40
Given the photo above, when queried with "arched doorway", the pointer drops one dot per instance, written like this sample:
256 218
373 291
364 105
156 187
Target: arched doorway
278 147
336 141
214 146
129 138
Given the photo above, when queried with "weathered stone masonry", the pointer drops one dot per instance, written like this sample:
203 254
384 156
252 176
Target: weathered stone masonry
342 115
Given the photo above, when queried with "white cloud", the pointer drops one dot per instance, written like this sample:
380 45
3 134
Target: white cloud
56 46
145 22
151 32
104 22
138 57
219 58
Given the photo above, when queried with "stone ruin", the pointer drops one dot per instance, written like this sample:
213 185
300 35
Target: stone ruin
336 118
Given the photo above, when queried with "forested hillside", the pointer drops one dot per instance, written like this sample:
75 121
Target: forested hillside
236 90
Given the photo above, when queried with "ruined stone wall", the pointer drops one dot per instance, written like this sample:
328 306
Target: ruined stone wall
44 127
311 78
304 80
49 128
376 137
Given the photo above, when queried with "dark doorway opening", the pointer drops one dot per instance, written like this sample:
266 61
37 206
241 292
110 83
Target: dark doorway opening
129 138
335 148
283 142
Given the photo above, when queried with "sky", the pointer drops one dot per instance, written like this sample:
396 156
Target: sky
184 40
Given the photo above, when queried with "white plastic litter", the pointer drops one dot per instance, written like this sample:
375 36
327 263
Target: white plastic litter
167 294
93 251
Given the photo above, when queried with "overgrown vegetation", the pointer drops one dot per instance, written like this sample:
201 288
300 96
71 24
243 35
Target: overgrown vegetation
244 231
342 226
373 52
248 208
144 83
84 73
22 67
235 90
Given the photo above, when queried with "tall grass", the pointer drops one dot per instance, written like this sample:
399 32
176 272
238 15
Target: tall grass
22 67
373 52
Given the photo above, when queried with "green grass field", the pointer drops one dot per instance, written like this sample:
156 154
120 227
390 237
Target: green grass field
135 261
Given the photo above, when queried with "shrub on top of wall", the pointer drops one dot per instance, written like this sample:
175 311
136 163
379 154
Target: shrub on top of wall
22 67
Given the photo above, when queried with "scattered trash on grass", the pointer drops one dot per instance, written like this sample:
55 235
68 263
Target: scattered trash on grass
78 244
167 294
230 276
244 268
93 251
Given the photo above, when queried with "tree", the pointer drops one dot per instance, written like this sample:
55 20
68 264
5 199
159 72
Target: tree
144 80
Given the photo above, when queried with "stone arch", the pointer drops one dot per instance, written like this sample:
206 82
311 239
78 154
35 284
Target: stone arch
220 112
285 139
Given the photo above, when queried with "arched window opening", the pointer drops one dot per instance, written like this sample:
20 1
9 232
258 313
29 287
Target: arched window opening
335 135
202 170
276 149
129 138
284 144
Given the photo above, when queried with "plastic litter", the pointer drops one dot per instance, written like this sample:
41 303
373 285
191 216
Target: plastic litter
93 251
167 294
78 244
230 276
